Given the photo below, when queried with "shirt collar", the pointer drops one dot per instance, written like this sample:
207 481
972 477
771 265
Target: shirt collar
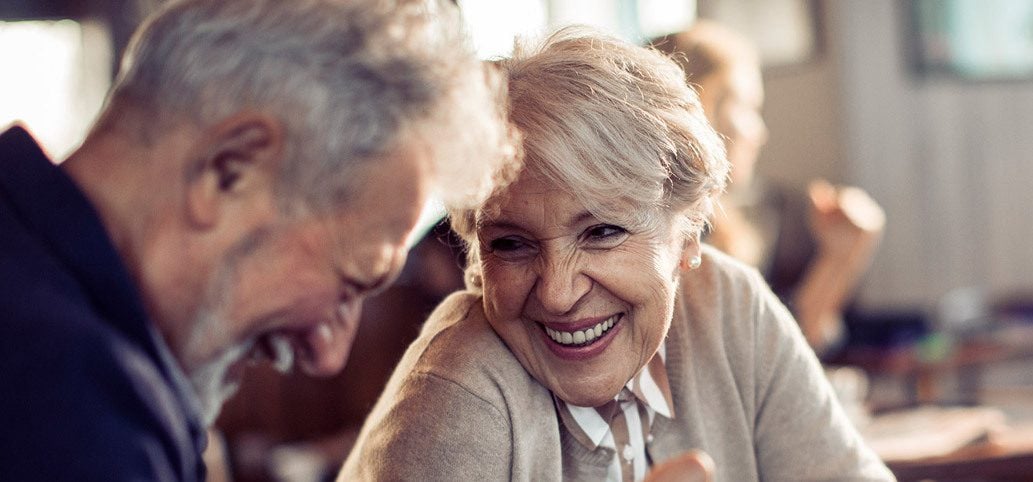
650 387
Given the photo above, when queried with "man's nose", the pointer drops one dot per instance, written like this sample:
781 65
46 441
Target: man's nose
561 284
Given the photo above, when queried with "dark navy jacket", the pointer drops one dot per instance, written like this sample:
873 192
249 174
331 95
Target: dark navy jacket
88 390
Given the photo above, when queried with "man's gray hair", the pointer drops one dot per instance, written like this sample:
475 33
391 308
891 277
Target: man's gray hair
350 80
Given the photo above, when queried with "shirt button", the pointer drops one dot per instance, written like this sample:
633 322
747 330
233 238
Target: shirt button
649 438
629 453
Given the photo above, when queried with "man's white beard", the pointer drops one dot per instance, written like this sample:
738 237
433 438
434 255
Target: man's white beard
211 383
210 379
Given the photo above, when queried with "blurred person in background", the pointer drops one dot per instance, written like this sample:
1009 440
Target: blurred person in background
813 248
256 172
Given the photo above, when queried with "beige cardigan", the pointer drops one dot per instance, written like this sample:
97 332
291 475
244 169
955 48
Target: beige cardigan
746 388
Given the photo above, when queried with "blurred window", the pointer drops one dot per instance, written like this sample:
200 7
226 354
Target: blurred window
495 23
55 75
662 17
784 31
978 39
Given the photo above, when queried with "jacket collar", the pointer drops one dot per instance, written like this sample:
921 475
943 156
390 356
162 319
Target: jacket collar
50 206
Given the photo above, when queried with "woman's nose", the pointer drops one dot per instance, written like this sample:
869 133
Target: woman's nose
752 128
561 285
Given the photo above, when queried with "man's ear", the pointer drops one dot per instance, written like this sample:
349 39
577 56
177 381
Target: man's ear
691 256
235 159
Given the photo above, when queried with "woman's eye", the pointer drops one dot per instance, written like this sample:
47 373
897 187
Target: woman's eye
510 247
505 244
605 236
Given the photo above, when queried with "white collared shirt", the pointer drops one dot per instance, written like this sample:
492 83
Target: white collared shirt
623 424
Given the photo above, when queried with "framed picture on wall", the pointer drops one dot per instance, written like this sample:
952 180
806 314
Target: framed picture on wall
972 39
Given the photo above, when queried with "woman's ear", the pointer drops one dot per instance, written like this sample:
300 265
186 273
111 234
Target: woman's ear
691 257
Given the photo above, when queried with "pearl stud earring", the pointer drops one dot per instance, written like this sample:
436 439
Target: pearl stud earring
695 262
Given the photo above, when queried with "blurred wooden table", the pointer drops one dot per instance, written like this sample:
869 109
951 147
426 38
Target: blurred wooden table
920 366
1006 456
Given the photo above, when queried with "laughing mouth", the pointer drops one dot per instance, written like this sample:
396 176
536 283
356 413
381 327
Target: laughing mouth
286 348
582 337
275 348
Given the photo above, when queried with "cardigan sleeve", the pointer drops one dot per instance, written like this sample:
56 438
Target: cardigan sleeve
463 437
800 432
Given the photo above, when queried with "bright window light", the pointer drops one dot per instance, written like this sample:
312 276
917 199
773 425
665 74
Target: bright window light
603 14
55 76
495 23
662 17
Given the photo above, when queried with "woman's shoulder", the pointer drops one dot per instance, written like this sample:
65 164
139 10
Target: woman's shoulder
721 274
726 297
458 398
457 333
458 345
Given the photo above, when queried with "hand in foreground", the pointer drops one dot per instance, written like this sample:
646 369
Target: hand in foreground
691 466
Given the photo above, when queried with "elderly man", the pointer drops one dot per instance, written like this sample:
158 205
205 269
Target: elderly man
255 173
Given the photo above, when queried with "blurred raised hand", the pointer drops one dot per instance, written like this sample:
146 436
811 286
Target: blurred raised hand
847 224
845 220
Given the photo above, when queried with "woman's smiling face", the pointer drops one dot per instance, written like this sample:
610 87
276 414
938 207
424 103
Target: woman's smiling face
583 304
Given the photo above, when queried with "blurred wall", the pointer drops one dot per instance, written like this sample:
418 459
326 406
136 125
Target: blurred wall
802 110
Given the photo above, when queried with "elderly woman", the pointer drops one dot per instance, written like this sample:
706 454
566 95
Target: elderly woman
597 336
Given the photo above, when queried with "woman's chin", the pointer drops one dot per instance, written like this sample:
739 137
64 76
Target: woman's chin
586 396
585 383
594 398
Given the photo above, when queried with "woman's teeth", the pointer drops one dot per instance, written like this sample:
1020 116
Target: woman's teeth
582 336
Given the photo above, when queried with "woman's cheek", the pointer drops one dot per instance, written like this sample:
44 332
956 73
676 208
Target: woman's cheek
505 287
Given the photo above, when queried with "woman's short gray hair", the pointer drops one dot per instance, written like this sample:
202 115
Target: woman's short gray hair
350 80
618 126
